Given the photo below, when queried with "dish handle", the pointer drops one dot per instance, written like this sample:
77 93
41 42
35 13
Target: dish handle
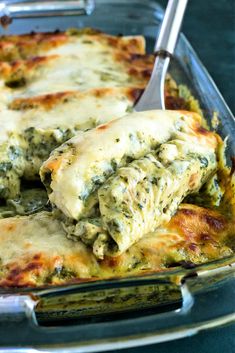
24 8
18 324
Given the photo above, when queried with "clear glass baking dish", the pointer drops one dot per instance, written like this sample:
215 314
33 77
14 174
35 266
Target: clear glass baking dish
118 313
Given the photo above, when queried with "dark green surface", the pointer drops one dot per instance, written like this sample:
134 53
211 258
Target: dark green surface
214 341
210 27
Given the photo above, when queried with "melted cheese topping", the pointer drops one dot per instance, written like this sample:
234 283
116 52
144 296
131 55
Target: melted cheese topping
50 64
80 62
53 65
38 245
35 126
146 193
73 41
34 250
85 162
72 73
73 110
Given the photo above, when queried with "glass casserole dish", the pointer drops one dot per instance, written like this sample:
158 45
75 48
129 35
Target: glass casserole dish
142 310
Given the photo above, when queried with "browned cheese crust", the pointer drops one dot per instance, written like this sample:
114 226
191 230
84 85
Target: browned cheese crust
193 236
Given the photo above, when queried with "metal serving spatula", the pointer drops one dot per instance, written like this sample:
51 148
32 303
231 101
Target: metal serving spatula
153 96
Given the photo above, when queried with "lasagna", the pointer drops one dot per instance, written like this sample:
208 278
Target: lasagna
72 60
53 85
123 175
36 252
90 189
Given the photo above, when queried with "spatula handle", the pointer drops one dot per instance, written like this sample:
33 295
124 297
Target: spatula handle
170 27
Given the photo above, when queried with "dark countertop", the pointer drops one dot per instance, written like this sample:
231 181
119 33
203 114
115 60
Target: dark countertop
210 27
214 341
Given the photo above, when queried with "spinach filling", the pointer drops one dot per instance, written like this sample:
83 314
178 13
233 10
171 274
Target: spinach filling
11 168
139 197
32 199
22 155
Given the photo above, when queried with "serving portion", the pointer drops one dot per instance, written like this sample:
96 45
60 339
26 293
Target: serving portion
123 179
128 193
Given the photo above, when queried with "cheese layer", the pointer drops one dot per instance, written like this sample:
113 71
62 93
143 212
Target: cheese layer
61 62
42 77
31 128
79 167
145 194
34 250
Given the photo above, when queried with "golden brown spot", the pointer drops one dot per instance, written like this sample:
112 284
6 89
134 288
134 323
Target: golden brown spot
142 60
18 275
101 92
175 103
34 265
132 45
187 211
193 246
10 227
111 261
216 223
37 256
5 45
193 180
47 101
135 93
197 223
37 60
142 74
195 118
203 131
102 127
52 164
26 45
14 272
15 65
112 41
205 237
